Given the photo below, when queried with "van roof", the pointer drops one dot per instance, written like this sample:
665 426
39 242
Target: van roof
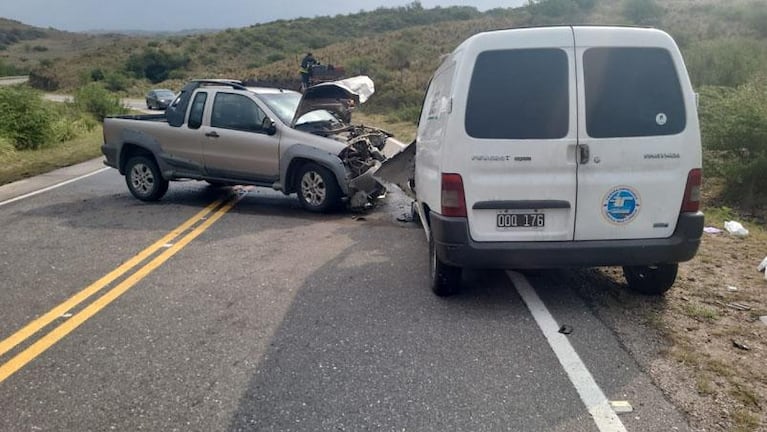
620 34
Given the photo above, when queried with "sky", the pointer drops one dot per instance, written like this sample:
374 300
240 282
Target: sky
175 15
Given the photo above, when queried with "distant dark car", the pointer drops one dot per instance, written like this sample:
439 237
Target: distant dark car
159 98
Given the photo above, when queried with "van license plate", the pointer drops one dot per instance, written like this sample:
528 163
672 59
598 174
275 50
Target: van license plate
520 220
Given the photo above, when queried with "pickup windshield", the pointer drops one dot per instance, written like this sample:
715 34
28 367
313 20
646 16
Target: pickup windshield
284 105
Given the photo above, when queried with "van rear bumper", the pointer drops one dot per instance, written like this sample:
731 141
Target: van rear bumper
454 246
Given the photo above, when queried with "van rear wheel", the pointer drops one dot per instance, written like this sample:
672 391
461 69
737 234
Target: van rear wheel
445 280
651 280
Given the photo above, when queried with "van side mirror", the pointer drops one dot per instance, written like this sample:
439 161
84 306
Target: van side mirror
268 126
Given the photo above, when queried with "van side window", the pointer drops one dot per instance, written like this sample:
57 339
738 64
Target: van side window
195 114
632 92
519 94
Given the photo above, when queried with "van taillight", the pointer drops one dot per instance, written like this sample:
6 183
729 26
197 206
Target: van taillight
691 203
453 198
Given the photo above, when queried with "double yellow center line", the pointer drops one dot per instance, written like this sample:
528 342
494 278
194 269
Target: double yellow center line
208 216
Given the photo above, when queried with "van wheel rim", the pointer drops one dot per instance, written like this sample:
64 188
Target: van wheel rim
313 188
142 178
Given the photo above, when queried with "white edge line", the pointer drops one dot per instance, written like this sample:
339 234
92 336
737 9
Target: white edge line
591 395
57 185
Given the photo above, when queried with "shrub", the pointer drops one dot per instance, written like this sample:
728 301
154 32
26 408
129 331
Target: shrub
25 119
6 69
98 101
554 8
69 122
155 65
44 79
586 4
757 18
97 74
725 62
115 81
6 148
642 11
734 125
408 113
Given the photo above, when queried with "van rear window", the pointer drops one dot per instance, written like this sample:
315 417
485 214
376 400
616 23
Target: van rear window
519 94
632 92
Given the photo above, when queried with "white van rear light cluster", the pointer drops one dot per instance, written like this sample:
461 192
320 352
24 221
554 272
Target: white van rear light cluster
691 203
453 197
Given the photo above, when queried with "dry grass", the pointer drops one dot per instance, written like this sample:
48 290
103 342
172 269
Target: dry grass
403 131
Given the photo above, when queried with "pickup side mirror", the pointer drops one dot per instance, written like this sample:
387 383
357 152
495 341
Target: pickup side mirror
268 126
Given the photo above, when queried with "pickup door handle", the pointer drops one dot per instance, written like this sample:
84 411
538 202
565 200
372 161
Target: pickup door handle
213 134
583 153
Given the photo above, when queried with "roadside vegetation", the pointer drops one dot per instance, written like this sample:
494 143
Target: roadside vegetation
37 136
724 44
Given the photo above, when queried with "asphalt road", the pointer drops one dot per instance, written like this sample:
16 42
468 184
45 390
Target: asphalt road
260 316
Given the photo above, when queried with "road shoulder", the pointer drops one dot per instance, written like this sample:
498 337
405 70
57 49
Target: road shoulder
50 179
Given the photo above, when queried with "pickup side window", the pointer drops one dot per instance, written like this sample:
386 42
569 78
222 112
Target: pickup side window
632 92
195 114
519 94
234 111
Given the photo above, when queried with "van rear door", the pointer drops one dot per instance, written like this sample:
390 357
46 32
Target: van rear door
638 135
518 137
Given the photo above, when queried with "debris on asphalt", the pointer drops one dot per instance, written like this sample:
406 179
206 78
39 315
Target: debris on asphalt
763 319
565 329
712 230
359 218
621 407
405 217
739 306
731 288
736 228
740 345
763 267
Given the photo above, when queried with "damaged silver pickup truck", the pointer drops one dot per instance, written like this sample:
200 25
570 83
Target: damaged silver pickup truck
225 133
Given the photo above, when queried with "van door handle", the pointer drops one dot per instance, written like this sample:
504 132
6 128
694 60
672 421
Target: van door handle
583 152
213 134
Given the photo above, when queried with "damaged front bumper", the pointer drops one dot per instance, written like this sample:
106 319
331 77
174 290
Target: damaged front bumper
368 148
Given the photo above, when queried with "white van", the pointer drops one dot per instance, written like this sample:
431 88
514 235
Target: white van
560 146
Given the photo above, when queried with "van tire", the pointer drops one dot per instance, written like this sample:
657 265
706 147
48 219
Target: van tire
651 280
445 280
317 188
144 179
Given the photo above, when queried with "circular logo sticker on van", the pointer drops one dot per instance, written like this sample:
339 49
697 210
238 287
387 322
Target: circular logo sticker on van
621 205
661 119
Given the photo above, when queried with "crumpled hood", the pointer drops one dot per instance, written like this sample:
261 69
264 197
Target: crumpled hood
338 97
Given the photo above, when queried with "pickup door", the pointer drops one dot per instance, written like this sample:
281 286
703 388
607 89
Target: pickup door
235 144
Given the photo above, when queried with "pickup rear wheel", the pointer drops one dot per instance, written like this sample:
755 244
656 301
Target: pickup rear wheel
445 280
651 280
317 188
144 179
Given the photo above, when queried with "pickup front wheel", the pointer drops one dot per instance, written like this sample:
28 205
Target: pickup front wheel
144 179
317 188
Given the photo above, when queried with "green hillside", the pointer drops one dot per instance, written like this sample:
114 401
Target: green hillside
723 42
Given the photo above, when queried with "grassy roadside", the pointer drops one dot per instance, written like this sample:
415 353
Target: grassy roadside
20 164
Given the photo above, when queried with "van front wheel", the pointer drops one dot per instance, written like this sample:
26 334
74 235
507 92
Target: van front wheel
651 280
445 280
